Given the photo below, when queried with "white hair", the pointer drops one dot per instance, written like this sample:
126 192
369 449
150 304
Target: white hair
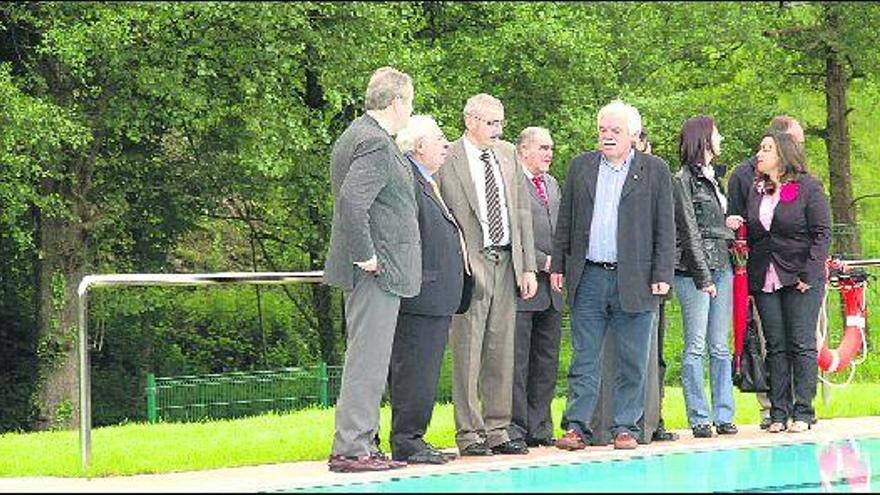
480 102
617 107
530 134
418 128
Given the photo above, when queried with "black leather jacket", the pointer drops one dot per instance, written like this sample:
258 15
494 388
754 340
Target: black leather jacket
701 238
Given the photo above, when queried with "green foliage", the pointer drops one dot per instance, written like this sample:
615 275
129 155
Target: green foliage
178 136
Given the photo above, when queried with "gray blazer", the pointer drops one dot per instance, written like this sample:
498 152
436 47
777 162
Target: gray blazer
374 211
645 233
543 227
460 194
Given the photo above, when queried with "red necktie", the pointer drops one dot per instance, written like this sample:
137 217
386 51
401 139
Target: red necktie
538 181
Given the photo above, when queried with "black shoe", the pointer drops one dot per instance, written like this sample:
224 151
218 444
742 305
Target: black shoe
511 447
450 456
476 449
702 431
540 442
661 434
427 456
726 429
765 423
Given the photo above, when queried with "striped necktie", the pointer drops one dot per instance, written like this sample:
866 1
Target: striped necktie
493 203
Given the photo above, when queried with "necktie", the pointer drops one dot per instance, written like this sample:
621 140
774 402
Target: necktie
538 181
464 255
493 203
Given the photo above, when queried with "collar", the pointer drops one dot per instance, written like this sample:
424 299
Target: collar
425 173
604 161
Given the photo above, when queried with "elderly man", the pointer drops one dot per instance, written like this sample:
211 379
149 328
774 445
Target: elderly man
614 244
375 258
741 180
423 321
485 190
539 319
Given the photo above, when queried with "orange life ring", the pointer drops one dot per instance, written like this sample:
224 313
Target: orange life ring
832 360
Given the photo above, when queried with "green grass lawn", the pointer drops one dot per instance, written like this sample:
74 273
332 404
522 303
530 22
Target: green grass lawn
297 436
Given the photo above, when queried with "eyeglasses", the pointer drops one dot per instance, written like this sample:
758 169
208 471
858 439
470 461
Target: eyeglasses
490 123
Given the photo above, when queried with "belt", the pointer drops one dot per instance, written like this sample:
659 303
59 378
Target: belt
493 253
607 265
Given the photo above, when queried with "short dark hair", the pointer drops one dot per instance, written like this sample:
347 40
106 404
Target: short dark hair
694 140
781 123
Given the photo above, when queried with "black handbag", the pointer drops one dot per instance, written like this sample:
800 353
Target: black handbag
753 375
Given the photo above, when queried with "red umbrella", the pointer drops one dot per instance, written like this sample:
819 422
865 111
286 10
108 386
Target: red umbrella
740 251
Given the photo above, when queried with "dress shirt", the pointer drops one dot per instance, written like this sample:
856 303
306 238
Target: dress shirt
765 214
478 175
603 229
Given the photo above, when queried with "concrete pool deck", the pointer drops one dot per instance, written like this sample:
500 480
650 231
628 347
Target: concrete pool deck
287 476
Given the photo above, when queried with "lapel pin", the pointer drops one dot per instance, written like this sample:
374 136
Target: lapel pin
636 177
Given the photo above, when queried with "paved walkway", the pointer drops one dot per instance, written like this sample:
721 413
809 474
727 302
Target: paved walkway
304 474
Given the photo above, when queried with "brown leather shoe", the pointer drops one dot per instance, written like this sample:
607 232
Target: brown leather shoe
625 440
572 440
343 464
381 457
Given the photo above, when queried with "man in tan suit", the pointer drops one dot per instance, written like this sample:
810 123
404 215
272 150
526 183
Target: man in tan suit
485 190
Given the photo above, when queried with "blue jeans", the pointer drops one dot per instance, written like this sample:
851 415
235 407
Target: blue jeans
595 309
705 317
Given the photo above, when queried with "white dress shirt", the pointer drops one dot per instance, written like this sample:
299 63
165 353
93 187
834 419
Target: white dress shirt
478 175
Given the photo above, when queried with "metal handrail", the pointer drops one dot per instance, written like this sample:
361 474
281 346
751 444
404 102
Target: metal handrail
148 279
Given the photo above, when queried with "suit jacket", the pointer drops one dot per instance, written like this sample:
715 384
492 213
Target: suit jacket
798 239
543 227
741 181
374 211
645 233
460 194
443 274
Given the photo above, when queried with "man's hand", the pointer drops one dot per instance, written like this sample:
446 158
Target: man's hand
371 265
557 280
529 285
659 288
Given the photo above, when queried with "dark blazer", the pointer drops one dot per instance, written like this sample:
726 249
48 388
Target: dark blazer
645 234
740 183
374 211
543 226
443 272
798 239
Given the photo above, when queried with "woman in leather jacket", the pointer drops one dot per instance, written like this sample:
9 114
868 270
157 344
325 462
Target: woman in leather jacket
703 277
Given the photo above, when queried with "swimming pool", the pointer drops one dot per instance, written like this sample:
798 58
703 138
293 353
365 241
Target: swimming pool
840 466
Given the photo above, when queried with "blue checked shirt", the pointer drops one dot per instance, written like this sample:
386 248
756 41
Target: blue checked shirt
603 229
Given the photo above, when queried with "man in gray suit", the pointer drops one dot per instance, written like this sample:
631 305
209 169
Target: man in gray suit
539 319
615 244
485 190
375 258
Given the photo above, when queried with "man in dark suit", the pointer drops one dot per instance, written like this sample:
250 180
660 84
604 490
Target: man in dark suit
375 258
485 189
423 321
614 244
539 319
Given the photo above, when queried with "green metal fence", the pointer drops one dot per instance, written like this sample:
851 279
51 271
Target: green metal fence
235 394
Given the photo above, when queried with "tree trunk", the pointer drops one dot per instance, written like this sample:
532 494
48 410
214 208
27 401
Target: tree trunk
837 143
59 271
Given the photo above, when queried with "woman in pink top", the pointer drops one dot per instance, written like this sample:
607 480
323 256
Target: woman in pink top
789 227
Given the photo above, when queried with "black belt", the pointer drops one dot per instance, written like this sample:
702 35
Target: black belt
603 264
505 247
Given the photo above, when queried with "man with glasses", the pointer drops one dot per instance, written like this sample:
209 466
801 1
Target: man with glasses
485 190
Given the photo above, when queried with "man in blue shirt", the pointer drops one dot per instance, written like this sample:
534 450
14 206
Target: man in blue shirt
615 246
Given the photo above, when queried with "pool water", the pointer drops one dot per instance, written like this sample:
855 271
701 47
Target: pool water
840 466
